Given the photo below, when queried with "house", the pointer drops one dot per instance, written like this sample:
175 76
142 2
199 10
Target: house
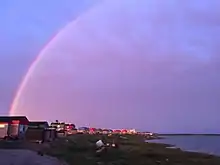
13 126
74 131
38 124
132 131
107 131
39 131
99 131
117 131
92 130
83 130
124 131
52 133
70 128
60 126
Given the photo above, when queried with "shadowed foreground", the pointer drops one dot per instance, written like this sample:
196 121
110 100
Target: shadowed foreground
80 150
25 157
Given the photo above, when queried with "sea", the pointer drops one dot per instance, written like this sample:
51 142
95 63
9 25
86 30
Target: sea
195 143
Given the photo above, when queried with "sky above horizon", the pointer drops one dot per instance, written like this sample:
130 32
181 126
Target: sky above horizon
26 27
152 65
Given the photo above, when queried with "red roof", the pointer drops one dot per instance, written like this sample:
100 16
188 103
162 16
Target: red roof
14 119
124 130
92 129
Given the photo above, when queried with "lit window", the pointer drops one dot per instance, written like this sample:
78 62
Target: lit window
2 125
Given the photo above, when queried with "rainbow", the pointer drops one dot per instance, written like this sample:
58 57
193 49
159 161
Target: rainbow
38 59
30 71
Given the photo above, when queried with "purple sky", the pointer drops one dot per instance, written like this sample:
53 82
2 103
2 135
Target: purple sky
152 65
26 26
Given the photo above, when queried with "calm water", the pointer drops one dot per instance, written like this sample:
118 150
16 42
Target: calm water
198 143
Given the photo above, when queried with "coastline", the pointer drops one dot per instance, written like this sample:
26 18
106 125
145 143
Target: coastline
185 134
132 150
80 149
171 146
174 144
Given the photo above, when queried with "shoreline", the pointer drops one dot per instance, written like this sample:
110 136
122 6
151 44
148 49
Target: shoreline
80 149
176 146
188 134
132 150
171 146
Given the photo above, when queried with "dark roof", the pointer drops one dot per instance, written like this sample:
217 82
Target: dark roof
37 123
83 128
55 123
10 118
106 130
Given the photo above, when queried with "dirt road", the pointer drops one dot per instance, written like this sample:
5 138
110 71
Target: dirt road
25 157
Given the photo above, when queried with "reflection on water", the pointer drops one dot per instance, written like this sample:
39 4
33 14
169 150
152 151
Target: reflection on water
199 143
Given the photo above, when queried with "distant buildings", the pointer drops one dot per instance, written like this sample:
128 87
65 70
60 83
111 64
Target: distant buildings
19 127
124 131
64 129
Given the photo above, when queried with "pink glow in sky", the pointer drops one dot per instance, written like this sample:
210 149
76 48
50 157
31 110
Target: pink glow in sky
152 65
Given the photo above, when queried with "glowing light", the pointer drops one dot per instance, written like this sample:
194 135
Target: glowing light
2 125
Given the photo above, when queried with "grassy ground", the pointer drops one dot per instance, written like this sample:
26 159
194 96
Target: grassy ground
80 150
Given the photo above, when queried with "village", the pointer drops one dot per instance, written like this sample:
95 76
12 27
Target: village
63 143
20 128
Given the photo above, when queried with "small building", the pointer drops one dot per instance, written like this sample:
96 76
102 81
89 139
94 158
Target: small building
70 128
99 131
117 131
38 124
74 131
107 131
39 131
83 130
13 126
51 133
124 131
92 130
132 131
60 126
